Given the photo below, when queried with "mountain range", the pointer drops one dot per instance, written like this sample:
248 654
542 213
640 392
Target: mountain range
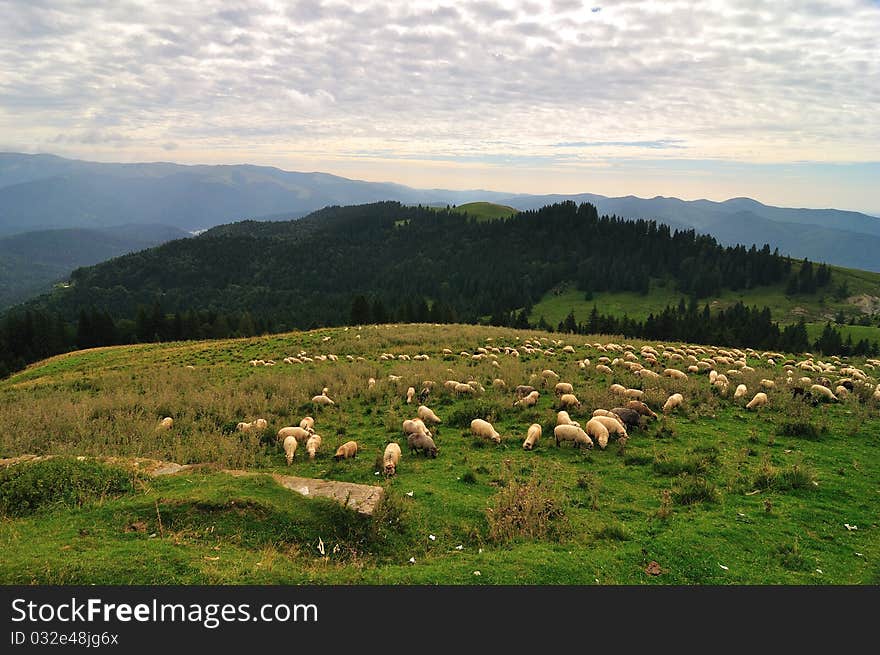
40 194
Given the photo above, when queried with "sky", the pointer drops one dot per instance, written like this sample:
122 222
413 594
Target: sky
775 100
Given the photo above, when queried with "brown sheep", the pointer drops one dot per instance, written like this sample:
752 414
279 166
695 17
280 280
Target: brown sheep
346 451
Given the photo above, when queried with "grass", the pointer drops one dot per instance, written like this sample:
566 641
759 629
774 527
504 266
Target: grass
485 211
816 309
707 486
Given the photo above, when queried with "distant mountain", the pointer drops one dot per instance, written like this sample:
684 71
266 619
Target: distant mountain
44 191
31 262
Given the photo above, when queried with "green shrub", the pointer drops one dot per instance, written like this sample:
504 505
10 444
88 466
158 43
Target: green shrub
26 488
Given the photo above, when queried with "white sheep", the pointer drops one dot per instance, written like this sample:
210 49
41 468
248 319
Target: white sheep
298 433
675 374
346 451
426 414
821 392
484 429
532 436
415 426
391 458
322 399
410 394
572 433
562 418
166 423
308 423
528 401
634 394
290 445
563 387
617 389
612 425
601 368
759 400
741 390
371 383
569 400
674 401
768 384
313 445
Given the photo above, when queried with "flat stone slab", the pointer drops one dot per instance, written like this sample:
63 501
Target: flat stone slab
362 498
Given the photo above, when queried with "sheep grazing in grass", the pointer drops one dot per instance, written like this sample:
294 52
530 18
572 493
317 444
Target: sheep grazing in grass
547 373
427 415
410 394
346 451
290 445
613 425
596 431
166 423
675 374
308 423
562 418
630 417
674 401
768 384
741 390
261 424
603 412
574 434
532 436
322 399
641 408
466 389
415 426
876 394
313 445
567 400
419 441
390 459
528 401
523 390
759 400
635 394
823 393
617 389
298 433
484 429
371 383
601 368
563 387
498 383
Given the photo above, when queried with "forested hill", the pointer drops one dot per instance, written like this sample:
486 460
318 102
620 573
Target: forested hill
408 259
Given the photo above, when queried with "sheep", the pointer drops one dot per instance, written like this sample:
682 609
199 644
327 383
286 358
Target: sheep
741 390
563 387
675 374
308 423
415 426
322 399
346 451
617 389
768 384
371 383
461 388
612 425
390 459
603 412
549 373
410 394
243 427
498 383
630 417
635 394
313 444
641 408
569 400
822 392
562 418
532 436
426 414
523 390
675 400
597 431
290 445
423 442
528 401
484 429
574 434
298 433
759 400
601 368
166 423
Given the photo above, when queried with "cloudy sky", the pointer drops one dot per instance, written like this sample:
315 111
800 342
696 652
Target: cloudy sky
777 100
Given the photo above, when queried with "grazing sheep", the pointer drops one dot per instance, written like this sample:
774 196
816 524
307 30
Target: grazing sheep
427 415
768 384
617 389
166 423
415 426
322 399
759 400
313 445
675 374
563 387
613 425
603 369
524 390
549 373
484 429
498 383
641 408
569 400
371 383
290 445
308 423
573 433
243 427
597 431
562 418
461 388
410 394
423 442
823 393
346 451
391 458
532 436
260 424
630 417
741 390
635 394
298 433
675 400
603 412
528 401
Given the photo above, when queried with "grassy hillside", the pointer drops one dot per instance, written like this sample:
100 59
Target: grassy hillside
714 493
862 298
485 211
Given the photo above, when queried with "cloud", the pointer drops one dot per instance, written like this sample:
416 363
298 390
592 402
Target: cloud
725 80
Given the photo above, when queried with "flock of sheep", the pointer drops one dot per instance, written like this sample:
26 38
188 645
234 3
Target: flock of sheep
653 366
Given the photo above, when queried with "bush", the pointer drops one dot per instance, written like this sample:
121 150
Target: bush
26 488
527 510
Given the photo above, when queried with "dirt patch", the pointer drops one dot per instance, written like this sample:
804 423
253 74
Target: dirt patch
867 304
